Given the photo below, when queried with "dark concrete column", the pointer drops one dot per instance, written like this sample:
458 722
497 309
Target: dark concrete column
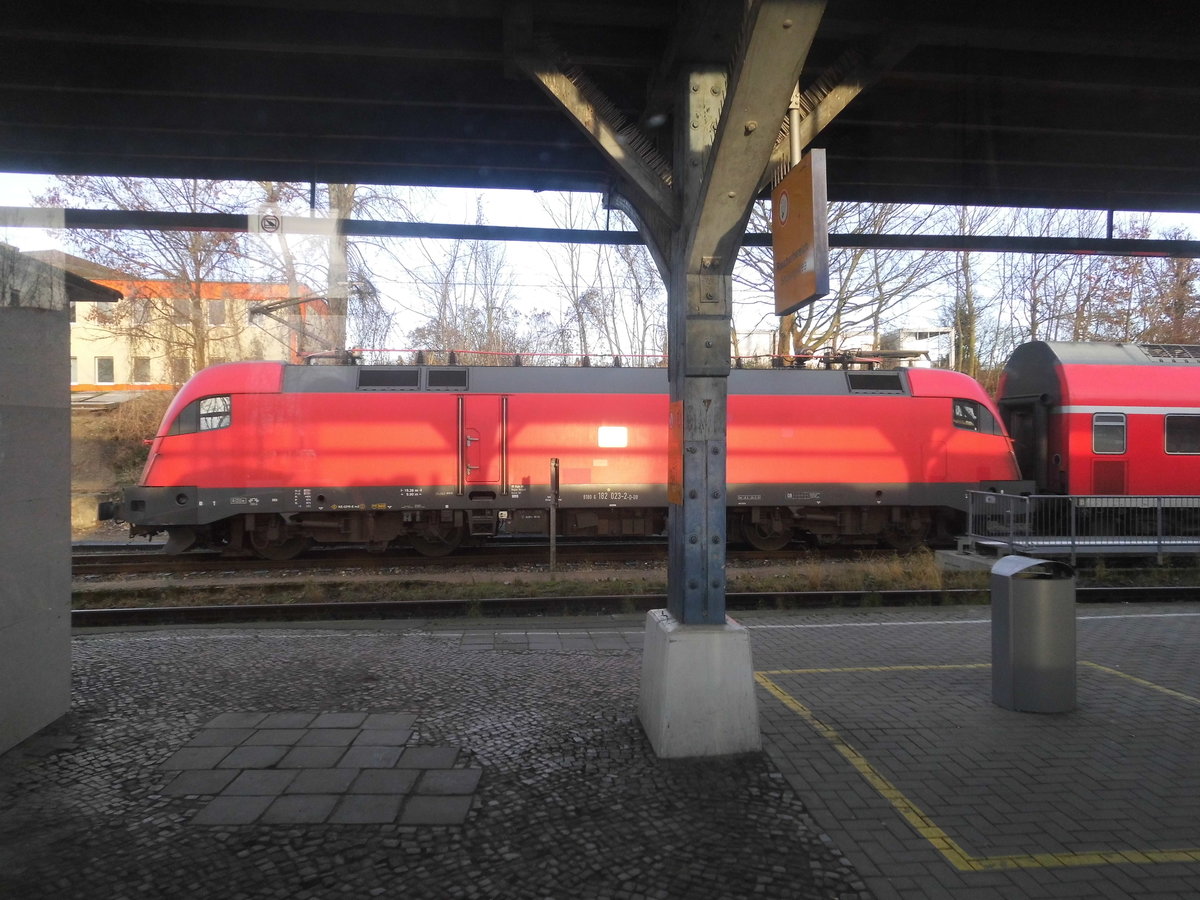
35 487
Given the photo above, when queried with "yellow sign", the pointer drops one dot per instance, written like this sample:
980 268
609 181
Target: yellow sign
800 235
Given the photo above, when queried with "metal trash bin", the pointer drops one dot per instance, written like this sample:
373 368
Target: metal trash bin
1033 635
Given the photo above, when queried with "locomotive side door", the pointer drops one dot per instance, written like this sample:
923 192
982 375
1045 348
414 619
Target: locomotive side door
481 439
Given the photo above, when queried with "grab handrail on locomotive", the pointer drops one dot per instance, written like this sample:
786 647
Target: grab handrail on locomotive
269 458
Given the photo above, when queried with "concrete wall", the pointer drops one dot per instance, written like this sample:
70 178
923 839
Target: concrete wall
35 470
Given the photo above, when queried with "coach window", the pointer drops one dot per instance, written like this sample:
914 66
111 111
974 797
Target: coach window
1108 433
1183 434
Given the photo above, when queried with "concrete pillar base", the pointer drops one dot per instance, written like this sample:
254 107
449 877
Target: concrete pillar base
697 691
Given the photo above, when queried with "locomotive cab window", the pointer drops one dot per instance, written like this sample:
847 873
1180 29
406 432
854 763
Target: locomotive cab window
1183 434
205 414
1108 433
971 415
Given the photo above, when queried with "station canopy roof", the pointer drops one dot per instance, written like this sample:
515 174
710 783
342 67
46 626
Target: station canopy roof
939 101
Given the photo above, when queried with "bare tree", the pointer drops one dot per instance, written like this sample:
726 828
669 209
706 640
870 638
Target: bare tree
1148 299
968 310
613 295
357 314
465 299
1052 296
870 287
166 274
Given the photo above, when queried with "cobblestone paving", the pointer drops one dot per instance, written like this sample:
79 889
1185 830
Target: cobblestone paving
882 744
170 730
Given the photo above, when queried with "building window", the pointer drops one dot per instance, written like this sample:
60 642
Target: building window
141 311
104 370
216 312
1183 434
185 310
179 370
74 370
73 315
141 370
1108 433
14 297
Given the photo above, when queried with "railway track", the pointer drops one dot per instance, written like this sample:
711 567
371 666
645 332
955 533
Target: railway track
572 605
126 561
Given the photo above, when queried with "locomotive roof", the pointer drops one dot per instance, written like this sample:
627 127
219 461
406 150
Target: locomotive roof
590 380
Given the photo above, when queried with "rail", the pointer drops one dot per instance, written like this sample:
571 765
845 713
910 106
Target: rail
1074 526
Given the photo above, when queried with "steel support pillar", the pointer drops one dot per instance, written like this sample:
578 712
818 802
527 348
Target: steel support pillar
699 317
697 691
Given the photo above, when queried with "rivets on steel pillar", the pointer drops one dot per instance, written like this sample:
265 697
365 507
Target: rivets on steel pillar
716 495
751 127
692 493
693 539
716 539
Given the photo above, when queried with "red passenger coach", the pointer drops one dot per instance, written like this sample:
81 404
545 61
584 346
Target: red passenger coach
1094 418
270 457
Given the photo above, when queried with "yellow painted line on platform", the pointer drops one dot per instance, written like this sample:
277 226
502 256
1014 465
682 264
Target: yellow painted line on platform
873 669
1141 681
925 825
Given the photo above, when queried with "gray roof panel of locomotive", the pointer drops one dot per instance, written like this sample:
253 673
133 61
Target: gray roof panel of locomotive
579 380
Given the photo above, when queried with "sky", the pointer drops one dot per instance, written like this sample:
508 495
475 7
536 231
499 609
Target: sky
529 264
531 275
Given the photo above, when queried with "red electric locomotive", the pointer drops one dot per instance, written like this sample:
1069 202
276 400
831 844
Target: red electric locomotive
1108 419
269 457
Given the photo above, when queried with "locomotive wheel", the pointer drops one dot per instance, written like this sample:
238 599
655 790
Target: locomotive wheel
279 551
765 536
907 536
438 540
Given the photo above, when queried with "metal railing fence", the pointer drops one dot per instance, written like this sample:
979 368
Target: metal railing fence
1053 525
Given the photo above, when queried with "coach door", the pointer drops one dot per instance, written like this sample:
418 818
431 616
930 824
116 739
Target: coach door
482 443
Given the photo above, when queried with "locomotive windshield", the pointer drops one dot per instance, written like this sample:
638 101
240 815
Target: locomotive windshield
205 414
971 415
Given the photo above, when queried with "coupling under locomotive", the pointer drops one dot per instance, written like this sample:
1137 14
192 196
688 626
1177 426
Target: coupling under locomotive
270 457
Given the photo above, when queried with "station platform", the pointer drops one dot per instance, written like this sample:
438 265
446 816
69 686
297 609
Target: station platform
482 758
